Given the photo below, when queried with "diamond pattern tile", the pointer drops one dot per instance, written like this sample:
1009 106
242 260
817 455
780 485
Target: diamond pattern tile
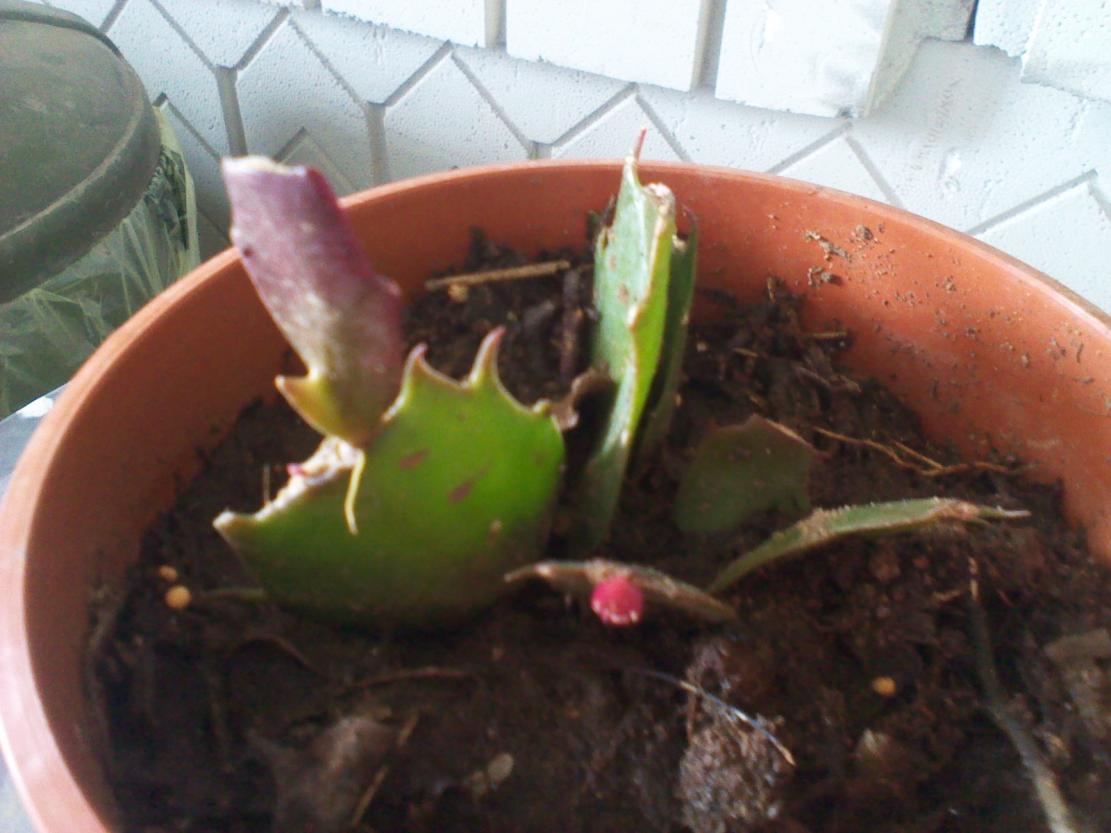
611 135
145 37
373 60
304 150
836 164
715 132
568 96
1057 235
223 30
444 122
963 140
959 139
204 165
277 105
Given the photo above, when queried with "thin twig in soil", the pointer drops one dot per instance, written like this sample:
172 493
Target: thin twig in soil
835 383
1053 804
926 466
375 785
108 603
250 595
511 273
835 335
368 795
281 644
430 672
569 331
217 718
754 722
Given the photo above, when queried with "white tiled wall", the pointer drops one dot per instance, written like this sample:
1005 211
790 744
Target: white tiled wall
949 125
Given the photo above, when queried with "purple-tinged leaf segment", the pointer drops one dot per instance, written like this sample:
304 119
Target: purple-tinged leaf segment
827 525
739 471
342 318
456 488
582 579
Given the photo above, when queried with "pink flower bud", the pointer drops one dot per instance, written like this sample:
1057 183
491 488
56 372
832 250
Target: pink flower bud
617 602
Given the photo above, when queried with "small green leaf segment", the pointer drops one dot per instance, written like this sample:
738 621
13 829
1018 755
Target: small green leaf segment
632 268
827 525
741 470
457 486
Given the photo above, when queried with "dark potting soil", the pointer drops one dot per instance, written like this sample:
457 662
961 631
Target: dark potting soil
864 659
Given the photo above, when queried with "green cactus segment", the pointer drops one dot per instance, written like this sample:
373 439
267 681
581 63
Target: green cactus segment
632 262
741 470
825 526
680 292
456 488
661 591
342 318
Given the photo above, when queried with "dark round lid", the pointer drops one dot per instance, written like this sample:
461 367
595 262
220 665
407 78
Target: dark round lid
78 142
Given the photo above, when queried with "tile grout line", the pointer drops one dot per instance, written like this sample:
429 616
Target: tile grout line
709 42
263 38
809 149
181 33
600 112
292 142
327 64
1097 194
493 103
1024 206
379 147
661 128
495 23
873 170
113 15
434 60
164 100
229 105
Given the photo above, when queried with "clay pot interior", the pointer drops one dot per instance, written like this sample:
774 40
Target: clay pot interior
987 351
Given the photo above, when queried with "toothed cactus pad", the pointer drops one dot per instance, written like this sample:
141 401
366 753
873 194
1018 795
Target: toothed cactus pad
456 488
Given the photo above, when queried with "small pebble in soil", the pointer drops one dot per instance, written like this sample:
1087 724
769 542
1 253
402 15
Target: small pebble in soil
885 686
178 597
168 573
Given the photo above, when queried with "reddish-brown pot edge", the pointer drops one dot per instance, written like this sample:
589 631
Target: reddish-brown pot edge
986 349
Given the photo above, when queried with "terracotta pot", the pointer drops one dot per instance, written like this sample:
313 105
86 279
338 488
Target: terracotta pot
986 349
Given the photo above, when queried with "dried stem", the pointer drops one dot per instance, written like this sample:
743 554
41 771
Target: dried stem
740 714
430 672
383 771
569 332
1053 804
921 464
512 273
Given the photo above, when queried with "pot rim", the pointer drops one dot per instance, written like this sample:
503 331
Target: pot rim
45 783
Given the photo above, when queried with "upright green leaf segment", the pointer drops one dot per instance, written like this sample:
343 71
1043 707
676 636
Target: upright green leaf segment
457 486
632 268
680 292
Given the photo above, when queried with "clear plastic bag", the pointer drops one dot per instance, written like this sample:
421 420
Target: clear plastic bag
48 332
